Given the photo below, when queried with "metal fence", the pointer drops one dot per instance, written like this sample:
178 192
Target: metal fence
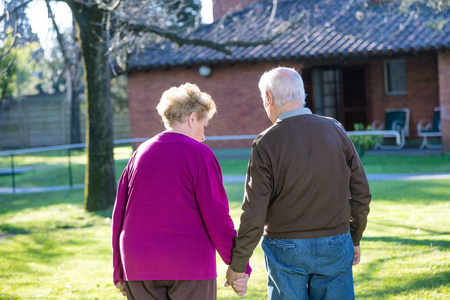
10 167
40 121
14 169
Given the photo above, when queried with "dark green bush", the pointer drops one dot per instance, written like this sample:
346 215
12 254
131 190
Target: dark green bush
364 142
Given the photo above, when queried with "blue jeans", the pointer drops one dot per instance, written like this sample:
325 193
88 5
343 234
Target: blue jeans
319 268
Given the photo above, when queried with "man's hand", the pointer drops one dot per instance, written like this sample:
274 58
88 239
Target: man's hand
357 257
121 286
238 281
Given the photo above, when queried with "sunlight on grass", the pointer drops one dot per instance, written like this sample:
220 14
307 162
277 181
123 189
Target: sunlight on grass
405 249
123 153
374 163
52 169
51 248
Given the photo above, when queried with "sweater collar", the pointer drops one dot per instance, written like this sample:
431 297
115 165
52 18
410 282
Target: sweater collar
294 113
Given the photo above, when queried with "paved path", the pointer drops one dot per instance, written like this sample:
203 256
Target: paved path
236 178
389 177
371 177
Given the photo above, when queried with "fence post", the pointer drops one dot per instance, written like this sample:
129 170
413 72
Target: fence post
13 174
70 169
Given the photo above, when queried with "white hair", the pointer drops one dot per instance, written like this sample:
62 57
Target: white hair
285 85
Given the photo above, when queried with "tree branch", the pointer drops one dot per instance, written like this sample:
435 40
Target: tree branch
107 7
100 3
11 46
141 27
7 13
59 36
221 47
272 14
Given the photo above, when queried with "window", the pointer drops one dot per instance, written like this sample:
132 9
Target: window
326 91
395 77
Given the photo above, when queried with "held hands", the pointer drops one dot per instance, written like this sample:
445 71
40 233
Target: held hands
357 257
121 286
238 281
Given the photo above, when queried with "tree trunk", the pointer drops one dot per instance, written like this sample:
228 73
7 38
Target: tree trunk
75 132
76 77
100 182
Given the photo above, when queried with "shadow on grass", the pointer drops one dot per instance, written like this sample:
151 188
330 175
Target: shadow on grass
8 296
383 287
411 192
388 286
8 229
103 213
40 252
16 202
375 163
11 204
444 244
52 176
422 230
404 285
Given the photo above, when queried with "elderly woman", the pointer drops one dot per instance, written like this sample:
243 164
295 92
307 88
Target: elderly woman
171 212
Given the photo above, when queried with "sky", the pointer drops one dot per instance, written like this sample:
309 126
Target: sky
37 14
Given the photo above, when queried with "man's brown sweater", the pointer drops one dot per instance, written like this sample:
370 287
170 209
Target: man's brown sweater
304 180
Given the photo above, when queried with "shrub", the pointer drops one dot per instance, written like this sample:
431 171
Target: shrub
364 142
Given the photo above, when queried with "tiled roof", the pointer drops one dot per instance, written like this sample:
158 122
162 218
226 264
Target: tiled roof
329 28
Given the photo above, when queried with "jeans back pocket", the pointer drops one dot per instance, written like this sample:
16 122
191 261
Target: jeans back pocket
281 244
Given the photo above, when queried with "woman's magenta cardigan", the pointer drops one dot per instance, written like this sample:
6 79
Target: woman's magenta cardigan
171 213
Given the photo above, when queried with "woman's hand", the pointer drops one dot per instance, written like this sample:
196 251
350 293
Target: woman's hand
238 281
357 257
121 286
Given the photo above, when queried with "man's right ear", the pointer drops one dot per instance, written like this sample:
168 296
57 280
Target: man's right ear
269 98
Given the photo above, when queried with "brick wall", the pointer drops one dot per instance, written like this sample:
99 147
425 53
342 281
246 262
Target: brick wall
240 110
422 90
444 97
233 88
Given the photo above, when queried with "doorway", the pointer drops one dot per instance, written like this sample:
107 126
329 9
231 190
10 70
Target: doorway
354 96
338 92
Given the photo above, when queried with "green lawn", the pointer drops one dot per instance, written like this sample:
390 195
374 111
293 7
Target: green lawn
52 169
406 163
50 248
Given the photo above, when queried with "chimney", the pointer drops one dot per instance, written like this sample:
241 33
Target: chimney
223 7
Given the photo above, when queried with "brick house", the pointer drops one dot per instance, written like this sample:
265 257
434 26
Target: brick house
356 62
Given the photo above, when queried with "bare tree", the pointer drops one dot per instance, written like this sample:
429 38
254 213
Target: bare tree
73 64
116 27
16 33
123 26
108 30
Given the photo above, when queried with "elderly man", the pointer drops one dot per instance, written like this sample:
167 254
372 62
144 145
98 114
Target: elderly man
306 191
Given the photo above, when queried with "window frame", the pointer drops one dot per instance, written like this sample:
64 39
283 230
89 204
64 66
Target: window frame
388 77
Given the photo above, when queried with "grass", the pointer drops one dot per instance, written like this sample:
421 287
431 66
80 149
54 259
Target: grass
50 248
374 163
53 168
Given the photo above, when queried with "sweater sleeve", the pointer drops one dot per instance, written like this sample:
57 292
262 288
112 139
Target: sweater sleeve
213 205
360 197
258 189
117 223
